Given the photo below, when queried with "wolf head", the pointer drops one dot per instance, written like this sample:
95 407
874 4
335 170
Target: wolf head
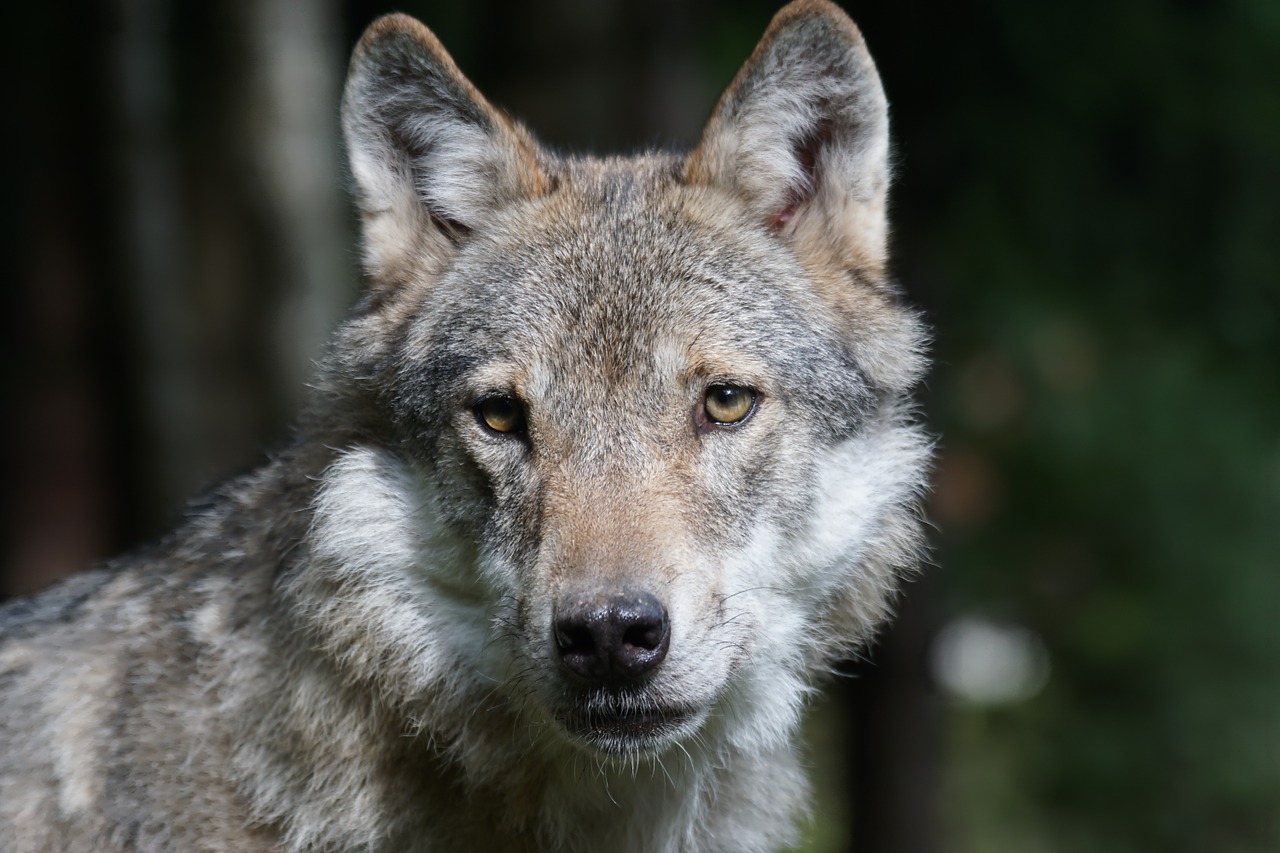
630 456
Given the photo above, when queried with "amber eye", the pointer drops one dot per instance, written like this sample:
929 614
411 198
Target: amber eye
501 413
729 404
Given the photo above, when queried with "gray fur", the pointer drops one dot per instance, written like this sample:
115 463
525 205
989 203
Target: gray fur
352 648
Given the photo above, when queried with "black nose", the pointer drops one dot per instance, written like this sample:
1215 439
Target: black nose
612 637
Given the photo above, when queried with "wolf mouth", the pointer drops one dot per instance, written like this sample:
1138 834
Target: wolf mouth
619 728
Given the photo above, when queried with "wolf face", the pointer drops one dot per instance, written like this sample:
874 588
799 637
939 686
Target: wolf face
654 462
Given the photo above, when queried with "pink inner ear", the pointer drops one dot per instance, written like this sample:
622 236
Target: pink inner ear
805 150
777 221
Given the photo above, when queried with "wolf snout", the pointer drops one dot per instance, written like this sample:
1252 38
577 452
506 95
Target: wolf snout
611 637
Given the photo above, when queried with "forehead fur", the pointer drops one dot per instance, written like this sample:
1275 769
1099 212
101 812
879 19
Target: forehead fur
623 261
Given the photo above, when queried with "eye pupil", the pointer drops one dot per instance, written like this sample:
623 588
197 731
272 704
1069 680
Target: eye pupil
501 413
728 404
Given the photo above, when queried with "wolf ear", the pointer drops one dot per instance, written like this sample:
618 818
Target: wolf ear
802 135
431 159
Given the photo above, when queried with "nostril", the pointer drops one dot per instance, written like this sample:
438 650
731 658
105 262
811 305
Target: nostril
647 636
580 648
574 639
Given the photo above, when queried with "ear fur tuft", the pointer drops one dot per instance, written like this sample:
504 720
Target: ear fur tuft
802 135
431 158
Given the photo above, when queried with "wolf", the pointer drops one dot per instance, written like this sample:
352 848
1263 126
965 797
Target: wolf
611 461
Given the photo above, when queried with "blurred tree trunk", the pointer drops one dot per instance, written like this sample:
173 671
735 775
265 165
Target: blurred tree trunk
297 59
236 252
156 232
58 230
183 248
896 759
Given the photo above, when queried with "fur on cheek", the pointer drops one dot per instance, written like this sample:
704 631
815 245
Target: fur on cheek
865 533
815 592
393 591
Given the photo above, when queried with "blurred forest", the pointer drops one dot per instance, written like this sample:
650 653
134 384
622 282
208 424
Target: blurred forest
1087 206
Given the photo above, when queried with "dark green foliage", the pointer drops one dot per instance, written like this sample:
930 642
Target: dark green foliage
1091 201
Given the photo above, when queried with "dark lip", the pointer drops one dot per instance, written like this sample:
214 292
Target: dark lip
611 728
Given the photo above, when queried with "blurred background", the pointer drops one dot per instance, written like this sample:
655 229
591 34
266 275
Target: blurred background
1087 206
